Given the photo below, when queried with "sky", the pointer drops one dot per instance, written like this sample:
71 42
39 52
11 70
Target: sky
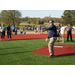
41 13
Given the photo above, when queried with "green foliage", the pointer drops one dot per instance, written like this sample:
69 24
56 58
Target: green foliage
10 17
35 21
26 18
68 16
40 20
14 17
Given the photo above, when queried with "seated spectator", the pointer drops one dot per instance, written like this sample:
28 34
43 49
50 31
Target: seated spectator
13 28
21 32
15 31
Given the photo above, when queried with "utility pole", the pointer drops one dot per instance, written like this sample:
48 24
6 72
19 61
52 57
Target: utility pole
50 16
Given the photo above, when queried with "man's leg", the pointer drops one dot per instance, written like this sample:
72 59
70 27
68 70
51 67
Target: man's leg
1 36
63 38
57 36
60 37
67 36
8 36
57 39
70 36
51 44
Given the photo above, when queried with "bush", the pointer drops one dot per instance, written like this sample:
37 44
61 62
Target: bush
41 22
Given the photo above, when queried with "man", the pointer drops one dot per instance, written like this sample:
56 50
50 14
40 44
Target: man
58 32
69 29
53 36
62 32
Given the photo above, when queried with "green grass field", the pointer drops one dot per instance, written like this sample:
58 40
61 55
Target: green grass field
19 52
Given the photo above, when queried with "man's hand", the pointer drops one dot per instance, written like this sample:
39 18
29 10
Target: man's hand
58 30
46 39
67 29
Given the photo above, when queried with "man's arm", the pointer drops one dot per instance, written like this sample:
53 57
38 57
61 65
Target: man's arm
50 28
64 31
67 29
71 27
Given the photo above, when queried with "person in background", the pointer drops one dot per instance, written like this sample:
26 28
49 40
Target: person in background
58 32
13 28
69 29
35 29
24 32
3 32
40 29
15 31
0 31
9 32
53 36
62 32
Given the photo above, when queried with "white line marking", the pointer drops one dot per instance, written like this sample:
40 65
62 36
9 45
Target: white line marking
59 46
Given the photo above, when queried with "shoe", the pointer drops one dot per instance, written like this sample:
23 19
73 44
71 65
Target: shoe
71 40
50 55
57 40
62 42
67 41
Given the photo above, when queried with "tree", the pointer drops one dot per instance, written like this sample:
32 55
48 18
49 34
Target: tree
29 20
34 20
10 17
26 18
41 21
68 16
47 19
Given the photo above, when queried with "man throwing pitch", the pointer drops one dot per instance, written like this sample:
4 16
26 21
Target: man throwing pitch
53 36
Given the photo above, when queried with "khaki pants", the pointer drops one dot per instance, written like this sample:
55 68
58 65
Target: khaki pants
51 44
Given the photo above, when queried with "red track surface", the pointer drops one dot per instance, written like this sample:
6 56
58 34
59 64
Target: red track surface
31 36
66 50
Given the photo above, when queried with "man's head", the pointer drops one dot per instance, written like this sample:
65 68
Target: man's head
58 24
61 25
8 25
69 24
2 25
51 22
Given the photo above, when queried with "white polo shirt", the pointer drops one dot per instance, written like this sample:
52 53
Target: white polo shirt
62 30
